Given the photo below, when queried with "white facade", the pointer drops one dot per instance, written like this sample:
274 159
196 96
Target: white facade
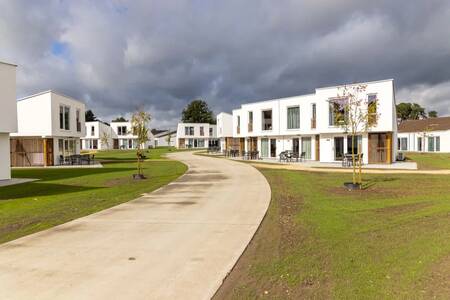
424 141
224 128
123 137
196 135
162 139
51 116
98 136
313 133
8 115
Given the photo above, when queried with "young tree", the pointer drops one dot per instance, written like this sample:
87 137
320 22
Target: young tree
89 116
197 112
169 138
104 139
359 116
139 127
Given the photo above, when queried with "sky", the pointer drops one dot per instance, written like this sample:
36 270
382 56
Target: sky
118 56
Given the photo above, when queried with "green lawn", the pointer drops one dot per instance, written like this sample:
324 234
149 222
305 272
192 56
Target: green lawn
430 161
319 241
62 195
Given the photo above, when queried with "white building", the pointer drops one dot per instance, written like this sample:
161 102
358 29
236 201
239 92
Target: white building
224 129
196 135
167 138
123 137
98 136
50 126
306 124
428 135
8 115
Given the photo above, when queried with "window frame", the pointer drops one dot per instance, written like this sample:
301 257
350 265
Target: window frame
263 119
287 117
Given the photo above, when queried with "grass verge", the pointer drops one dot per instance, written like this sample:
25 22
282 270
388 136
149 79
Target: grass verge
430 161
319 241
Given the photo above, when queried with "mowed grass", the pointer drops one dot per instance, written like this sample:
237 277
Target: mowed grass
430 161
319 241
62 195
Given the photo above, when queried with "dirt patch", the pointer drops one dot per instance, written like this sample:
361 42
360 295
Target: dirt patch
437 285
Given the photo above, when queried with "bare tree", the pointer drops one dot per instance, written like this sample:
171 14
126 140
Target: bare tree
104 139
356 112
169 138
139 127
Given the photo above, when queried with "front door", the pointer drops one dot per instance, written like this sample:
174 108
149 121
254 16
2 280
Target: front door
380 148
317 147
338 148
295 145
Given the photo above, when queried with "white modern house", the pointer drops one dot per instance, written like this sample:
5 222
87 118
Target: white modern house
427 135
98 136
224 129
123 137
167 138
50 127
8 115
307 124
196 135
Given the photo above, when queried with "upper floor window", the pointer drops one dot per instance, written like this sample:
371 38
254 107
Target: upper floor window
92 130
188 130
64 117
250 121
336 112
211 131
202 131
293 117
78 120
372 103
266 120
313 116
122 130
238 129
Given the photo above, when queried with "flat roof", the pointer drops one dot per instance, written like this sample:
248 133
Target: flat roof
46 92
9 64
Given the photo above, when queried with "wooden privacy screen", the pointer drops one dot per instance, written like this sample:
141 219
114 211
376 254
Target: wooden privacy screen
380 148
27 152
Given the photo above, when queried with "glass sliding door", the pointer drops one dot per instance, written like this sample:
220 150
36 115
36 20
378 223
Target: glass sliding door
306 147
273 147
296 145
338 148
264 147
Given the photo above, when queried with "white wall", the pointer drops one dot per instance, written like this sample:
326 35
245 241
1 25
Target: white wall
100 129
129 135
224 125
5 163
8 115
413 142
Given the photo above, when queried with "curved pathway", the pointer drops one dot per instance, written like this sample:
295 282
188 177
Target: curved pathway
178 242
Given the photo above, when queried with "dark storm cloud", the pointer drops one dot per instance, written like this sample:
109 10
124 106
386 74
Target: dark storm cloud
121 55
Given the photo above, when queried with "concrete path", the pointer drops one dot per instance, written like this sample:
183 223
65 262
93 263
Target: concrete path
178 242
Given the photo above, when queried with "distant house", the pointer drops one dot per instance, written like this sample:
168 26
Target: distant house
98 136
123 137
196 135
427 135
8 115
161 139
50 126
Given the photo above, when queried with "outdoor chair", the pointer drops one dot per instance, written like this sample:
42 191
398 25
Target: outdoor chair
295 156
302 156
283 156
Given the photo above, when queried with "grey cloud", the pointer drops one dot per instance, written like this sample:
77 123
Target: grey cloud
162 54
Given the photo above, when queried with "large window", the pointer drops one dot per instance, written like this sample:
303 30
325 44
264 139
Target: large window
211 131
64 117
250 121
293 117
202 131
354 145
189 130
306 147
372 104
238 128
434 143
122 130
92 130
267 120
78 120
336 113
419 144
403 144
313 115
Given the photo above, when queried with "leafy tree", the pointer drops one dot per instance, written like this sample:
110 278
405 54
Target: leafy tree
358 117
89 116
432 114
120 119
410 111
139 127
198 112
